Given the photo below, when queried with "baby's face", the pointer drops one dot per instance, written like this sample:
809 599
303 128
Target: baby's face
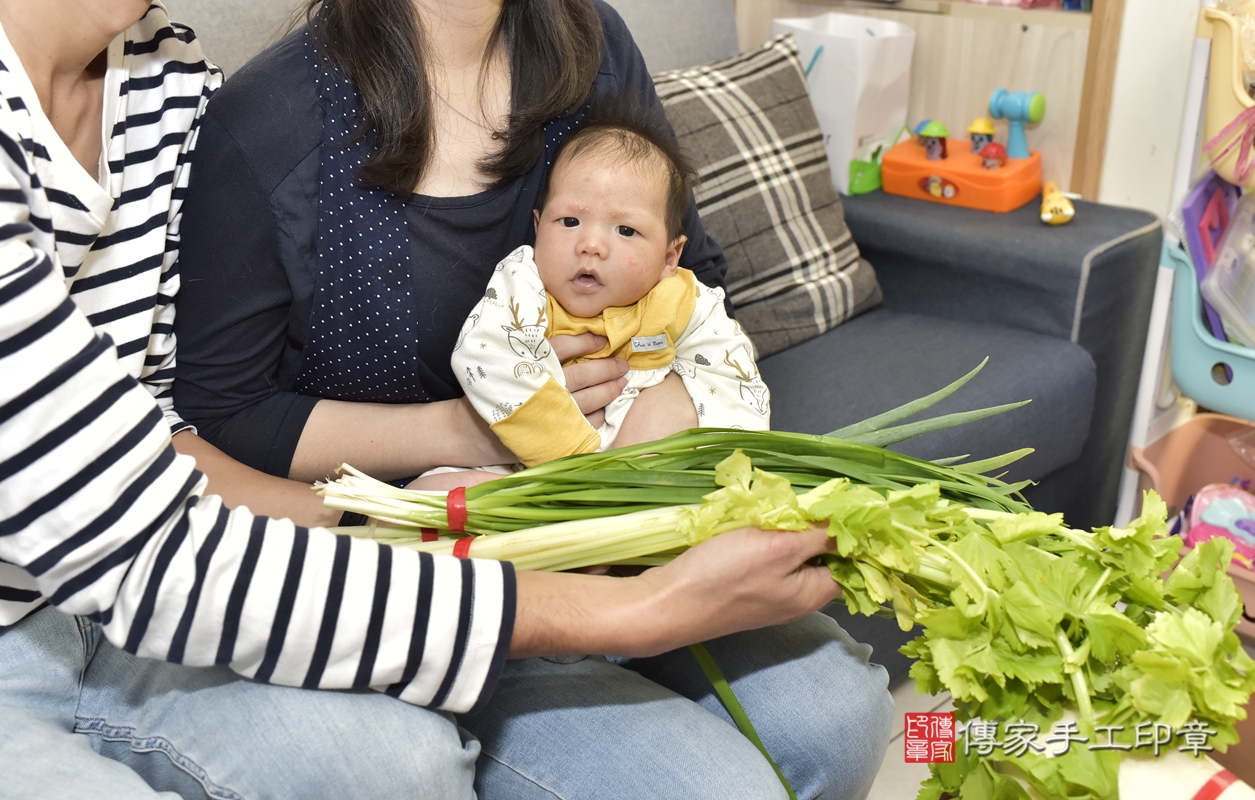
601 240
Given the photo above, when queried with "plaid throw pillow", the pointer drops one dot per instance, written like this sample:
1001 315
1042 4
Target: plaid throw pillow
765 194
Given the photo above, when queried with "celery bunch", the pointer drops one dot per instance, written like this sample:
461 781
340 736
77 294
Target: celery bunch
1023 618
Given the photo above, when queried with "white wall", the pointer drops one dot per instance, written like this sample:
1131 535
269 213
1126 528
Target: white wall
1144 132
233 31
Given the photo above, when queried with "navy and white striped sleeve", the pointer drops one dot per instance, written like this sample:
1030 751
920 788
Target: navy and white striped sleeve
163 121
111 523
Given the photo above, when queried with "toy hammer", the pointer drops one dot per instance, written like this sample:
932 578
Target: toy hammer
1017 108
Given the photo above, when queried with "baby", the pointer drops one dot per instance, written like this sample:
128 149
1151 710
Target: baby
606 260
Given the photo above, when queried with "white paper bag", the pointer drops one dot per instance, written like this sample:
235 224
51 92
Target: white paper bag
859 83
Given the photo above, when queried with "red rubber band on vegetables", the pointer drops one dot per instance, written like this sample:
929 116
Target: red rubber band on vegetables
1215 785
455 508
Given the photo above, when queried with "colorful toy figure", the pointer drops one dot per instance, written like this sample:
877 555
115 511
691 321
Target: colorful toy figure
938 187
1055 208
933 136
919 130
993 155
982 131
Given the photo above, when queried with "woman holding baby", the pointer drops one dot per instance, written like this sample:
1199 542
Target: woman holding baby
354 188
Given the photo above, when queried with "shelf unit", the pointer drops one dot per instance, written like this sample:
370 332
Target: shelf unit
965 50
1161 407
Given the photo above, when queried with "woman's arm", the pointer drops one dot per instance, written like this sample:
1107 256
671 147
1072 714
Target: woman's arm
394 441
241 485
658 412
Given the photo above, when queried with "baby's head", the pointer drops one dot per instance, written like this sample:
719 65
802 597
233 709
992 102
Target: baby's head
609 221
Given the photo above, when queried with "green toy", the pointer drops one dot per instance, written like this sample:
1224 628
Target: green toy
865 175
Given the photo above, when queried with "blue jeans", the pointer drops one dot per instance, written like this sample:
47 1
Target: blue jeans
643 728
653 728
69 697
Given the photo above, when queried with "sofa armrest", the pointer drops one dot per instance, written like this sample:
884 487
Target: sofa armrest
1009 269
1090 281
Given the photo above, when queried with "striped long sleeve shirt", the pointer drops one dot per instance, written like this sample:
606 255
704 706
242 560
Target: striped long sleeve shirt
98 514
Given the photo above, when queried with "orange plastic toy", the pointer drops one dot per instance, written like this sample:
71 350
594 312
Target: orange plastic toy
960 179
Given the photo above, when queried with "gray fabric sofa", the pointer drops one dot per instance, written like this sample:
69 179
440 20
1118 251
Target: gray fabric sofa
1061 312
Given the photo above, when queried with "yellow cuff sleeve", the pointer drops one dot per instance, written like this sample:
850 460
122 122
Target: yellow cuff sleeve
548 426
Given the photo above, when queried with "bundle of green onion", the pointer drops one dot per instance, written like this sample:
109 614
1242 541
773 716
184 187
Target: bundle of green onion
637 495
1022 617
680 470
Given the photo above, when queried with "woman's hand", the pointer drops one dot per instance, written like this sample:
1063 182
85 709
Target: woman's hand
736 581
593 384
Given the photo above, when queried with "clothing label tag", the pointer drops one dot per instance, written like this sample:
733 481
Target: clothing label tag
649 344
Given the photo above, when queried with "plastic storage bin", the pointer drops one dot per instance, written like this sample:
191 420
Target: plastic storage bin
1230 283
1198 358
1185 460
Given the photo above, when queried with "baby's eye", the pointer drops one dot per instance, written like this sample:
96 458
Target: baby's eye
624 230
570 222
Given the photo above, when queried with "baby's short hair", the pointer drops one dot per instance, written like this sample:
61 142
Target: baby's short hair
642 138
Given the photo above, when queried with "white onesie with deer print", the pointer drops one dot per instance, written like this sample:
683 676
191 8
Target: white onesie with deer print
503 360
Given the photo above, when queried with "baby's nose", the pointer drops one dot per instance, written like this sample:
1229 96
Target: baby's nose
592 243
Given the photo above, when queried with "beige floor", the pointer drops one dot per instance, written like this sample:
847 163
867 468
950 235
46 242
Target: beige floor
898 780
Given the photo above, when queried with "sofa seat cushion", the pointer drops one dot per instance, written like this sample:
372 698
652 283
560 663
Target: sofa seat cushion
765 194
885 358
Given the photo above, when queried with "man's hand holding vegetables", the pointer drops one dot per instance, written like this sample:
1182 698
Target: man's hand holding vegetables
748 579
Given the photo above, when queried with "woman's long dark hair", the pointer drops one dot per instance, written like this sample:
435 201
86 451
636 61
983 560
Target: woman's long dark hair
554 50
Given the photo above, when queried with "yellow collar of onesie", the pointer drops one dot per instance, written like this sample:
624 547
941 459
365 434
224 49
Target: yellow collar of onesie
644 333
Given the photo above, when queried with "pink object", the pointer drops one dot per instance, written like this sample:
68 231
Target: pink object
1243 556
1215 218
1244 125
1226 511
1193 455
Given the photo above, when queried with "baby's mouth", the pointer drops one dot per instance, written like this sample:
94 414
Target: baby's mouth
586 282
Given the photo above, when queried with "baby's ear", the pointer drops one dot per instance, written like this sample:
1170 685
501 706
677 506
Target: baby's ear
535 218
674 249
